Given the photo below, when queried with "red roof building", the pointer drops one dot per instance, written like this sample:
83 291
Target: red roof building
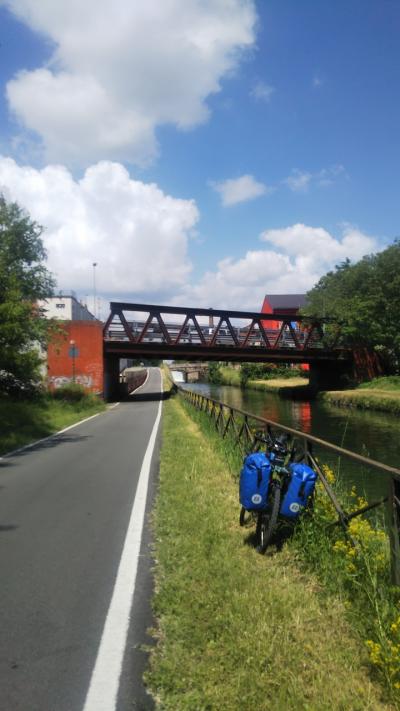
288 304
285 304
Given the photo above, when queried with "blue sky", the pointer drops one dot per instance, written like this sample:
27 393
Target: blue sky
202 152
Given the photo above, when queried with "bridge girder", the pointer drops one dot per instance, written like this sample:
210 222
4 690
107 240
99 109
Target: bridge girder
250 355
179 333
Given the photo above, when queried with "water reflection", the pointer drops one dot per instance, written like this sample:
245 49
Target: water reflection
302 416
372 434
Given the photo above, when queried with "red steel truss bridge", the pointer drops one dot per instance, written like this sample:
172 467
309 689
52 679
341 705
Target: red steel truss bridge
149 331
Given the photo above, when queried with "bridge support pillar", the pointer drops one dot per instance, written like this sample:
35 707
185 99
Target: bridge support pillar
111 378
330 375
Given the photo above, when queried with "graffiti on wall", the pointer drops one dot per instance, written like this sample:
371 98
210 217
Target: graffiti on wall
57 381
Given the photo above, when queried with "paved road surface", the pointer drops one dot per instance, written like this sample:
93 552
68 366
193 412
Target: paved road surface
65 506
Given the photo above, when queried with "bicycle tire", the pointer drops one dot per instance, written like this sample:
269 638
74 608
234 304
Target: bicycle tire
244 517
247 518
267 520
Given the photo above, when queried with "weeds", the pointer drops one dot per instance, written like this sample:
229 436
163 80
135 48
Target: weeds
358 575
237 630
24 421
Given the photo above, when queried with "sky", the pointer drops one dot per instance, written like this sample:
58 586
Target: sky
201 152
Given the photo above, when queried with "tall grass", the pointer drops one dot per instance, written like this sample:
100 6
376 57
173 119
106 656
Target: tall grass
367 399
236 630
358 575
24 421
230 376
269 380
381 394
388 382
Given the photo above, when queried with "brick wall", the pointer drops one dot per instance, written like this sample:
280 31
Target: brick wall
88 361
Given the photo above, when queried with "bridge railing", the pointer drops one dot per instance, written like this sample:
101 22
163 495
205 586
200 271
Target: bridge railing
244 429
205 328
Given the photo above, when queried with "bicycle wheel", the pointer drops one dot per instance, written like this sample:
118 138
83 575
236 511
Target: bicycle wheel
245 517
267 519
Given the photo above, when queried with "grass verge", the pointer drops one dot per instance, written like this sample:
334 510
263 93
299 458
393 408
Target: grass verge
381 394
276 383
364 399
237 630
286 387
24 421
279 385
385 383
230 376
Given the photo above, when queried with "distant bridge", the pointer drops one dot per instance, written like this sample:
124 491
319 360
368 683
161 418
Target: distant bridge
191 372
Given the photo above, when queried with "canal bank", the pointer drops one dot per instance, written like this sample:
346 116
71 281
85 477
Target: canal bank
364 399
369 433
380 395
236 629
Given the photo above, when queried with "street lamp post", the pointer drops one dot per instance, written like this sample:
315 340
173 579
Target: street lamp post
94 289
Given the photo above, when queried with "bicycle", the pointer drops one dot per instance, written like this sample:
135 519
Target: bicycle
267 518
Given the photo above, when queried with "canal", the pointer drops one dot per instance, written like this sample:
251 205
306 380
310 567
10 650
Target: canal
372 434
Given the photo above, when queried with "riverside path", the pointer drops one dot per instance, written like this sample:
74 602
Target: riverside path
73 557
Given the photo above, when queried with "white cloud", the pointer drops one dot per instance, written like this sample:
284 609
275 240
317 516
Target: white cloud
318 246
240 189
136 233
327 176
139 237
295 258
300 182
262 91
119 69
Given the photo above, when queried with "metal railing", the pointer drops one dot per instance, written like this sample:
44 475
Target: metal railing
244 428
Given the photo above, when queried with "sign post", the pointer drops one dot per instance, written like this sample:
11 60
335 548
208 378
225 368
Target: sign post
73 353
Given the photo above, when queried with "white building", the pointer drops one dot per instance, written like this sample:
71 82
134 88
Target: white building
65 308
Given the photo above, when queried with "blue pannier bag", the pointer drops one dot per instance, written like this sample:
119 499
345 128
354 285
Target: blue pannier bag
254 481
301 486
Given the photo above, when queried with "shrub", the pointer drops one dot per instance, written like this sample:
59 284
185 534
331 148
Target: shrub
214 373
266 371
71 392
18 389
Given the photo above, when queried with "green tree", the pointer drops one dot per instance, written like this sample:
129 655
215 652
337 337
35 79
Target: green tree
23 280
214 373
365 298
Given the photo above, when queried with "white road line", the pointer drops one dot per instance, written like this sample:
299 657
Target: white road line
104 684
45 439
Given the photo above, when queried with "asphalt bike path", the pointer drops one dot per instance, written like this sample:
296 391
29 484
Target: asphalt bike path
65 515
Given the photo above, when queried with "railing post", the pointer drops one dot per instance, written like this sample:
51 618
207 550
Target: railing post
307 450
340 512
215 411
394 525
247 430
